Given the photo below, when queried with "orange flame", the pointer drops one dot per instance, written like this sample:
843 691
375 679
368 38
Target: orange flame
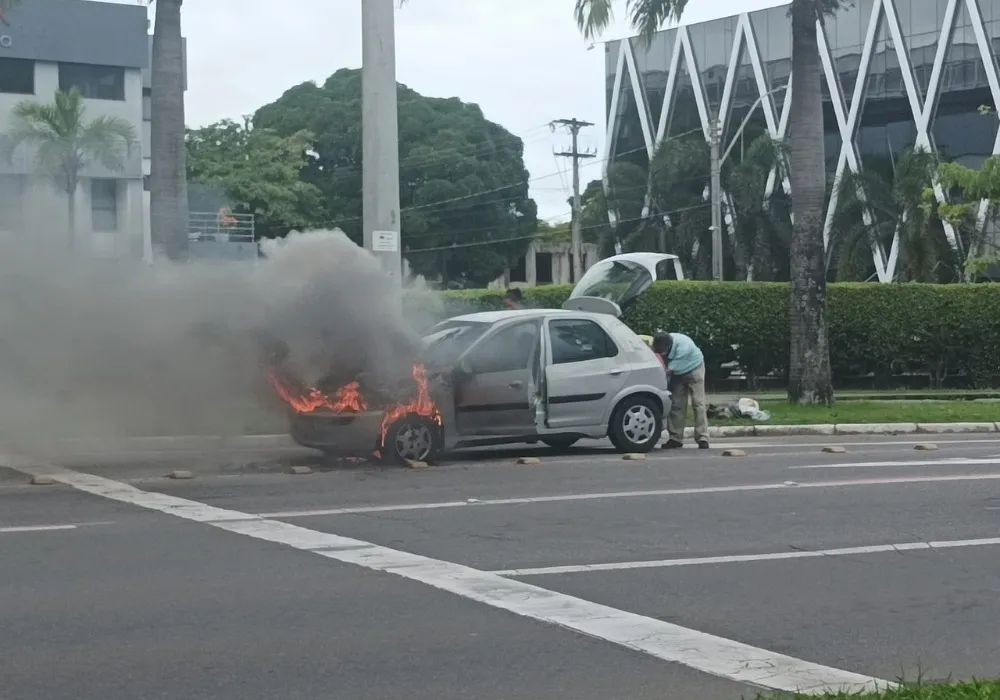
348 398
422 404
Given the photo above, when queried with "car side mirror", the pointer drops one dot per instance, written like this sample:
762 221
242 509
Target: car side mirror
463 369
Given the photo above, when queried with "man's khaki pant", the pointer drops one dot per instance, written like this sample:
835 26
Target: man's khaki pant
682 387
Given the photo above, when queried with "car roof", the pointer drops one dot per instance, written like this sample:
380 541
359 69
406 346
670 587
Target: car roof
509 314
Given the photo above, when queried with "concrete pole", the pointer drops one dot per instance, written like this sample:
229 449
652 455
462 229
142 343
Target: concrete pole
576 231
380 135
715 137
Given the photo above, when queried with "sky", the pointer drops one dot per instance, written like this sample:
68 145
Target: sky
523 61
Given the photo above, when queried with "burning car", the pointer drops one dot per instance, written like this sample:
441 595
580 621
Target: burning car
536 375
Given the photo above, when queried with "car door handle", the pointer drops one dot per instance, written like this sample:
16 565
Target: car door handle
516 385
616 372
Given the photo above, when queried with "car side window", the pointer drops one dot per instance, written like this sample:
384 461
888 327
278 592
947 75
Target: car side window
507 350
579 340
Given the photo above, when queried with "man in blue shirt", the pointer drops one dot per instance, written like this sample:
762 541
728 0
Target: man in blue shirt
685 366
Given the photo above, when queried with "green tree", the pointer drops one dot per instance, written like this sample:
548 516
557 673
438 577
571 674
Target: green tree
64 142
678 174
882 200
259 170
168 206
968 187
762 221
809 361
466 213
680 216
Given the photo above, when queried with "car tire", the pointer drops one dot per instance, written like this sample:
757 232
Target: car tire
412 438
560 443
636 424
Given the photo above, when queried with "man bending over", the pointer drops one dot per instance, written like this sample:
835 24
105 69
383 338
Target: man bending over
685 366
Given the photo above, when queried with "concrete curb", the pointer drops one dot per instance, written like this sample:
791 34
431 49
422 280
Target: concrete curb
765 430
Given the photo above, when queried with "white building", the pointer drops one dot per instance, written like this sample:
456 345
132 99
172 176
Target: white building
103 49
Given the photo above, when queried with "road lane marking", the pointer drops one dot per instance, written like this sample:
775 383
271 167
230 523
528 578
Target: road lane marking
698 650
948 462
35 528
49 528
657 493
743 558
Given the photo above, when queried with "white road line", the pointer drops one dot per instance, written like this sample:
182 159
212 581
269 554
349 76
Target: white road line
742 558
35 528
48 528
704 652
951 462
474 503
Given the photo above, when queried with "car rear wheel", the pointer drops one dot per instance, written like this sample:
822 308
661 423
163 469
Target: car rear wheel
412 439
561 443
636 424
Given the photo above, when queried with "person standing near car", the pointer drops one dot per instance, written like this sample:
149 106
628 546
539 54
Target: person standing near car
513 299
684 363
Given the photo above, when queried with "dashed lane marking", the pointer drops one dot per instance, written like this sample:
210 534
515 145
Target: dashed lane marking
657 493
743 558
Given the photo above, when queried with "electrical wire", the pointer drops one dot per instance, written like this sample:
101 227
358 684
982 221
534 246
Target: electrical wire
499 241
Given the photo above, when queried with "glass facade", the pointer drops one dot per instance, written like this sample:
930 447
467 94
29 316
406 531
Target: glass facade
899 74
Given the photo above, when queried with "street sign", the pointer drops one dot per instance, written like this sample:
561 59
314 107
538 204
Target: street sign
385 241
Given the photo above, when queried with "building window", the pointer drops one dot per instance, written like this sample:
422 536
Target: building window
104 204
93 82
519 272
543 268
17 76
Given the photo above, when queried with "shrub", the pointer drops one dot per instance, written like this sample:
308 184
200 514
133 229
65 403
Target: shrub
940 330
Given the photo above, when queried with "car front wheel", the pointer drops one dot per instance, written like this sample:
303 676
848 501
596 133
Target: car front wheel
412 439
636 424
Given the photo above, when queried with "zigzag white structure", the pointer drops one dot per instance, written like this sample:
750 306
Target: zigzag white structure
883 19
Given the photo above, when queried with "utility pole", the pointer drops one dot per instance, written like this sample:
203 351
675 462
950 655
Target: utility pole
714 138
574 126
380 136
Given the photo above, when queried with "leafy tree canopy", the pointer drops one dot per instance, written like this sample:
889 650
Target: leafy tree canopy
969 186
260 170
466 214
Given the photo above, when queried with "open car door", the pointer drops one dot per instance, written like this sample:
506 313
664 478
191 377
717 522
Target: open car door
613 283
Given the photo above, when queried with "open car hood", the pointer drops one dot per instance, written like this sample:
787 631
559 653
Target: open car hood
613 283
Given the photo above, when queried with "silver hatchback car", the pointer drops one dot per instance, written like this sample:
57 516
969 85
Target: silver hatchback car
536 375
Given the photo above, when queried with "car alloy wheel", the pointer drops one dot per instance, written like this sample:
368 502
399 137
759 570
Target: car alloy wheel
412 439
638 423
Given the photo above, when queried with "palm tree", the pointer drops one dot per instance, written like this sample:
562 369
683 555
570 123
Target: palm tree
761 222
884 200
64 142
678 173
168 205
809 361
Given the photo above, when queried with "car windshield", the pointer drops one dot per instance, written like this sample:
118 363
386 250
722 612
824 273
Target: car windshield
448 340
614 280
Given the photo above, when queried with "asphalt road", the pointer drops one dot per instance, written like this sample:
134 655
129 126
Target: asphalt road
688 574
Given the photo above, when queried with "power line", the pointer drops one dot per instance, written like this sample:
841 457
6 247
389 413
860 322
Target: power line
499 241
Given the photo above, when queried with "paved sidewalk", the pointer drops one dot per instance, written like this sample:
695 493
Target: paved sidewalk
769 430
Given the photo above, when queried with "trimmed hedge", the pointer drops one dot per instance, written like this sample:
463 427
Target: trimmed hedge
881 330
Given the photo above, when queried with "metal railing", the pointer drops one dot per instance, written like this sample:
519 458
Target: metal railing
221 227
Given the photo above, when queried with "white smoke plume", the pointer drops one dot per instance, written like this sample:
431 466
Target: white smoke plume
92 348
